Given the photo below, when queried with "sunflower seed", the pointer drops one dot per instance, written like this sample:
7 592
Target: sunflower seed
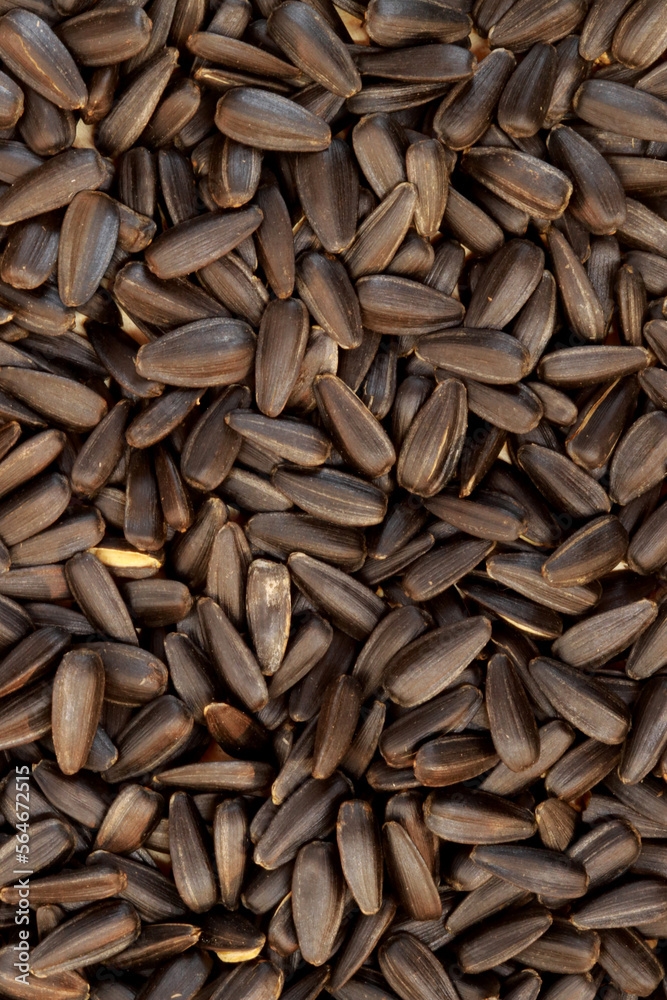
32 51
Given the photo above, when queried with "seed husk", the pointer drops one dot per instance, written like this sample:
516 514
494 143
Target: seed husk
261 118
32 51
192 870
325 287
193 244
582 701
511 720
414 674
527 94
360 852
588 553
503 938
381 232
130 114
524 23
521 179
352 607
401 955
466 112
522 572
310 812
613 631
546 873
91 936
78 692
130 820
648 736
625 955
231 657
200 354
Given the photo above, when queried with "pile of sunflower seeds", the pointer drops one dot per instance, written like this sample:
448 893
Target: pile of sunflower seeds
333 545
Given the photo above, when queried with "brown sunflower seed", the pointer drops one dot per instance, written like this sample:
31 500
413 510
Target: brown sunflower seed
130 820
31 252
612 630
131 112
581 768
491 515
437 62
88 937
72 887
156 732
400 741
393 304
193 244
324 286
360 854
562 482
32 51
581 700
547 873
580 302
230 838
521 179
328 189
63 400
415 673
352 607
317 918
433 444
450 759
636 902
356 432
133 676
638 459
192 870
648 738
503 938
239 55
627 957
310 812
589 552
232 658
53 841
619 108
78 691
529 21
410 874
314 47
336 725
152 894
563 949
556 821
380 233
606 851
527 94
444 566
337 497
108 36
511 720
522 572
400 957
466 112
200 354
33 508
279 534
287 437
261 118
11 102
